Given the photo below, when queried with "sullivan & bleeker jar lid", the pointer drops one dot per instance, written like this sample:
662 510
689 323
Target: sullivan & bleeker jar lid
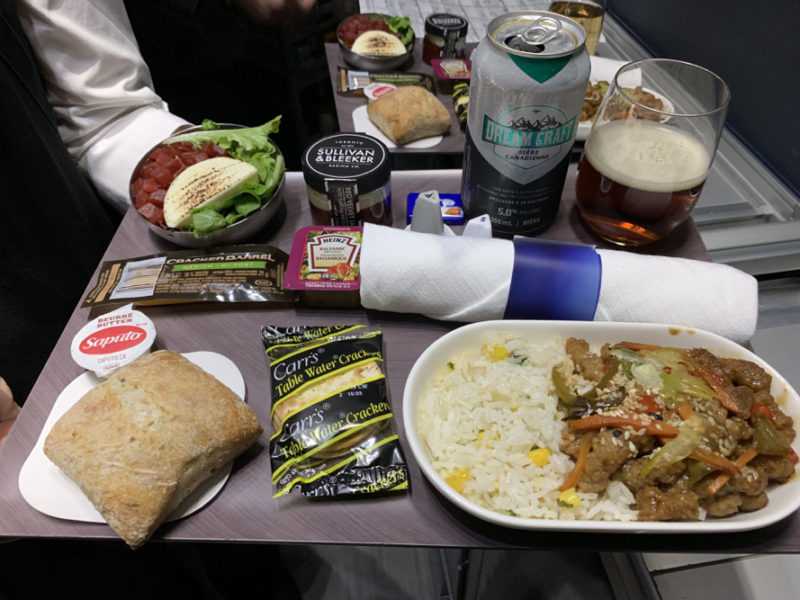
347 156
442 24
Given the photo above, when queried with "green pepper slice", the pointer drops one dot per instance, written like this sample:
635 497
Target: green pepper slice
697 470
565 395
767 439
611 370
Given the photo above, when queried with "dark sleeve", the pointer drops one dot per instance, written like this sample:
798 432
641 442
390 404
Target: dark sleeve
53 226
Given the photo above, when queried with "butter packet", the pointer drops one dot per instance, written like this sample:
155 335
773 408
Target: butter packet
239 273
330 413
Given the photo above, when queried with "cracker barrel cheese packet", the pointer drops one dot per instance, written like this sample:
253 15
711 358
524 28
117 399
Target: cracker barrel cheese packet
330 414
355 83
240 273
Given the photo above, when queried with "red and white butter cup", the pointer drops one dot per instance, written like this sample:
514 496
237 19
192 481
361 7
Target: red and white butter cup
112 340
375 90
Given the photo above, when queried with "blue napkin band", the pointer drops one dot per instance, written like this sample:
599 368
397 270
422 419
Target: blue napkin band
553 280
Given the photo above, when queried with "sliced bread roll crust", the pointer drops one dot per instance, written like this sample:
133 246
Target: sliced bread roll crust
409 113
140 442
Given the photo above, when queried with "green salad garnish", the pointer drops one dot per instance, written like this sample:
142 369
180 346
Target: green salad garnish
251 145
402 26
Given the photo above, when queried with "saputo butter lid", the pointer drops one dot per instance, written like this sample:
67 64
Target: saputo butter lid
112 340
350 157
375 90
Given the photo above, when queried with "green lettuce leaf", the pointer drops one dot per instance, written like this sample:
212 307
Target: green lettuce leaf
235 141
246 203
401 25
206 220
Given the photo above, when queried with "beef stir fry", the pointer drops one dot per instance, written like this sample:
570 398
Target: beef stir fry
689 433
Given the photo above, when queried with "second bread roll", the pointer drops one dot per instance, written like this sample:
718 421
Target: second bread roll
409 113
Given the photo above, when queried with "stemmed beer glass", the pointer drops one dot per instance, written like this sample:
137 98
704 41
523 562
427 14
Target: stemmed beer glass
650 149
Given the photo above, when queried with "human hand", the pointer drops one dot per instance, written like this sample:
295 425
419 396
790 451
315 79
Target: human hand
263 11
8 410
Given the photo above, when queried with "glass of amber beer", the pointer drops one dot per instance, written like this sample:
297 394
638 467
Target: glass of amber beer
650 148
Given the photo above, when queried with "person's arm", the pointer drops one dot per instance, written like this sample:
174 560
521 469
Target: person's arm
99 86
8 410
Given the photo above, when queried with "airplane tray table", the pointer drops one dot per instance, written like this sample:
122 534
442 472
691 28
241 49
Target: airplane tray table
245 510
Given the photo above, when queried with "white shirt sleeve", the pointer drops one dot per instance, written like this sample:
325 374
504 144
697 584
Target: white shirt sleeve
99 86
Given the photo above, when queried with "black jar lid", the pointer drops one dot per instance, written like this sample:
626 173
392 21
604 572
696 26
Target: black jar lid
355 156
443 24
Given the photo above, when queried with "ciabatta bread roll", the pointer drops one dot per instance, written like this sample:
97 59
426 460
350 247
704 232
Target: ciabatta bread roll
140 442
409 113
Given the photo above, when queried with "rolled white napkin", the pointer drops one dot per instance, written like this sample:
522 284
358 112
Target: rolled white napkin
680 291
447 278
468 279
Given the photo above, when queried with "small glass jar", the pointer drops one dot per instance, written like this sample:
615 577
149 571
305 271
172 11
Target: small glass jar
445 37
348 180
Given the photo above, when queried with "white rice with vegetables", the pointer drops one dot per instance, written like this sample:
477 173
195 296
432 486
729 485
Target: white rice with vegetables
492 429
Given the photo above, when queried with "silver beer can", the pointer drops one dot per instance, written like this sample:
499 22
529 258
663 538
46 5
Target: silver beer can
529 77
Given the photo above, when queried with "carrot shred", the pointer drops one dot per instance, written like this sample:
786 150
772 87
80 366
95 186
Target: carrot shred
580 463
712 379
636 421
636 346
724 397
763 410
723 478
650 403
685 410
715 460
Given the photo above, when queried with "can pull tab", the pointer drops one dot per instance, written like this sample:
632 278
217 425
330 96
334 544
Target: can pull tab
535 37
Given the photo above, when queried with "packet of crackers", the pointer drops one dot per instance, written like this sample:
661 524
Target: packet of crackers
237 273
331 417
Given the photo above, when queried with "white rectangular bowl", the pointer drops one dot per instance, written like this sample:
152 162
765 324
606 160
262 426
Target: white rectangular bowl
783 499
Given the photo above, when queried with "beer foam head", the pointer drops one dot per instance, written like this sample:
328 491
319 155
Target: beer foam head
112 340
647 155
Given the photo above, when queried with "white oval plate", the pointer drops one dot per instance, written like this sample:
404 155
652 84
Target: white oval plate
783 499
45 487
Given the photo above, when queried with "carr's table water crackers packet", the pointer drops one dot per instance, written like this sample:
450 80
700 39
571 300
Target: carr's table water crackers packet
330 415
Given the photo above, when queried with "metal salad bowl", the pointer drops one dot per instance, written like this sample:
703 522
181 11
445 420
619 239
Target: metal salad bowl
241 230
373 63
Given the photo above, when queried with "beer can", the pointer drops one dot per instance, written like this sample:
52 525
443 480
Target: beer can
529 77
